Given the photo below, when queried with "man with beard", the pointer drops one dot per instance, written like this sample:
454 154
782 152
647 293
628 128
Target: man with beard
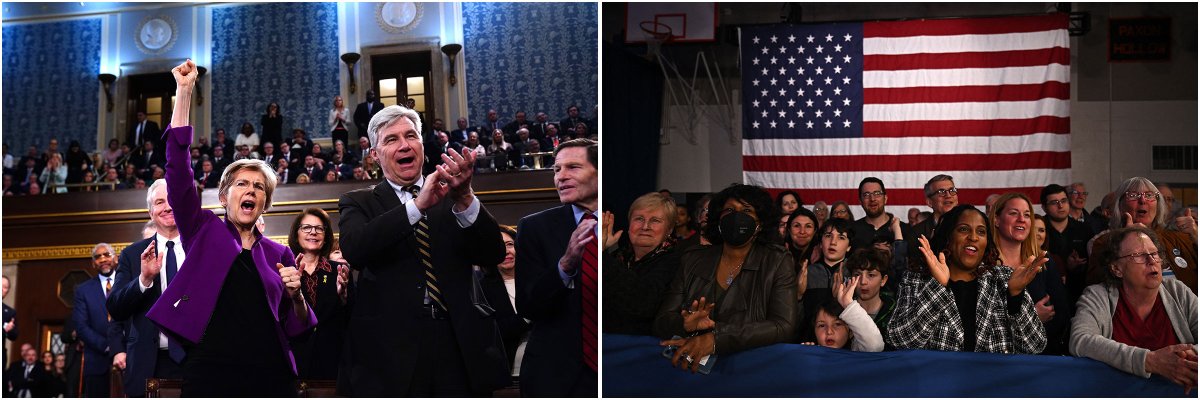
942 196
1065 237
91 322
873 197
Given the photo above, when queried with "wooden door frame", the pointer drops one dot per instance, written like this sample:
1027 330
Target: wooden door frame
437 73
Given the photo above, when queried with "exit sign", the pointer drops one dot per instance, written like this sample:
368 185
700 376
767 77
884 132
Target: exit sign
1139 39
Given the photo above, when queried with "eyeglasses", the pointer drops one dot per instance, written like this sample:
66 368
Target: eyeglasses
312 229
1055 203
1143 258
1149 196
97 256
1077 193
841 212
877 193
945 192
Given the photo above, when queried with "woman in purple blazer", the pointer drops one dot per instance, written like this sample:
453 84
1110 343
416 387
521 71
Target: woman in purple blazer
237 343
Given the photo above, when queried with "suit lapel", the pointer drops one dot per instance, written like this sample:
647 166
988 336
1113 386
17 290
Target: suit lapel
386 196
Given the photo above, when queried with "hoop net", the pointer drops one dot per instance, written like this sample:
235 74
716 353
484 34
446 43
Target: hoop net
657 33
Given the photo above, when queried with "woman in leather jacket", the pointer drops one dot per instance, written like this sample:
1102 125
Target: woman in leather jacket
739 293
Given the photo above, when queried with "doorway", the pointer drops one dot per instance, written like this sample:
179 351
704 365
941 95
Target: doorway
153 94
397 77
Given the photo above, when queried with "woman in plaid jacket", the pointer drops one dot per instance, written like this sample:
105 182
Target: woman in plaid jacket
964 300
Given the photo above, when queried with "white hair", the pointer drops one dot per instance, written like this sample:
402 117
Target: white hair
150 192
102 244
389 115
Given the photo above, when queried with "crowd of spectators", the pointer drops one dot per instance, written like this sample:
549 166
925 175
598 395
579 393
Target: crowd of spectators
518 144
953 278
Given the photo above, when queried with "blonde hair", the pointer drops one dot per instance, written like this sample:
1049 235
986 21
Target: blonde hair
652 200
1029 246
250 164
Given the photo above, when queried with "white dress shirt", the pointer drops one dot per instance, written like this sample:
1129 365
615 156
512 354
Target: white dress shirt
161 247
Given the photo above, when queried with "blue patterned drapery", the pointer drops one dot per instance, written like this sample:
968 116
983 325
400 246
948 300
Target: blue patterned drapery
50 86
285 53
532 57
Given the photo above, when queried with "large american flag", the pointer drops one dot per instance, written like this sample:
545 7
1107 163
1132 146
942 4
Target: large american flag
985 100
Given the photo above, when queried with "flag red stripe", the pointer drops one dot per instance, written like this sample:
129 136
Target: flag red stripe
965 26
909 162
897 196
997 127
956 94
977 59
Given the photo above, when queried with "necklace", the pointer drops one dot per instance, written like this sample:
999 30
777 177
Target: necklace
729 280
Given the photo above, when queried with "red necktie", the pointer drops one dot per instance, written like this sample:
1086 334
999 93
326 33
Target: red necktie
589 301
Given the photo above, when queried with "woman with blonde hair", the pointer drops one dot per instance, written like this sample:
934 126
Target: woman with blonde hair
1013 228
338 121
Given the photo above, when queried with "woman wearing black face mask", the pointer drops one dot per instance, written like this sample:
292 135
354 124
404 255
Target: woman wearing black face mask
739 293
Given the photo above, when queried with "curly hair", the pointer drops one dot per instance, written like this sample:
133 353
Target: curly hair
754 196
941 238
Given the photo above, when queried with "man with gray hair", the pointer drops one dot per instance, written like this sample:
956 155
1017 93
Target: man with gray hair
135 342
417 332
821 210
90 317
941 196
1077 196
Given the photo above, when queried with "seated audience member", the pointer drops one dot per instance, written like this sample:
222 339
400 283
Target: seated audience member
1168 196
319 152
339 147
1016 241
313 168
219 159
788 201
1065 237
35 189
638 266
247 138
870 267
129 175
941 196
300 144
552 139
1077 196
473 145
364 149
324 283
338 165
683 223
284 172
330 176
206 177
500 288
843 324
27 377
702 301
701 216
568 124
519 146
221 139
581 131
821 210
371 166
303 179
962 300
268 153
1140 203
54 176
113 152
243 153
499 150
1136 321
840 210
88 178
360 174
511 128
836 237
802 228
9 188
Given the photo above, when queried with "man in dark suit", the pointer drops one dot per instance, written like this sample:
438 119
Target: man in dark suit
10 325
537 130
90 317
510 129
149 157
366 110
556 285
138 346
220 160
415 331
566 127
269 155
27 378
221 139
206 175
143 130
460 135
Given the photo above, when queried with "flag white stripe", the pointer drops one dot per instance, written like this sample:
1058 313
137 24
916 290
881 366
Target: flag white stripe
907 145
907 179
966 43
954 77
966 111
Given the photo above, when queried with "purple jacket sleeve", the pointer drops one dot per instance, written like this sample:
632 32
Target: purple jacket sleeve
181 189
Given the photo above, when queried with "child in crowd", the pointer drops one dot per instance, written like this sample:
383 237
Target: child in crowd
825 273
844 324
870 267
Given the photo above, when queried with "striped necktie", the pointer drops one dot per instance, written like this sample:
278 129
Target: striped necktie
589 301
425 254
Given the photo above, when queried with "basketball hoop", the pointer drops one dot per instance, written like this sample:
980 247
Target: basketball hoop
657 33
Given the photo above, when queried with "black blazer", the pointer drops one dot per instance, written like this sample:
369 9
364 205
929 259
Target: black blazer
376 239
39 381
362 117
759 309
131 332
9 314
151 132
318 352
512 326
553 362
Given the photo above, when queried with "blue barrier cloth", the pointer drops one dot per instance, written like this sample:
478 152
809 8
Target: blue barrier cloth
634 367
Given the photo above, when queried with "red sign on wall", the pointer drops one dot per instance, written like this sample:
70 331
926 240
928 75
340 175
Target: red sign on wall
1139 39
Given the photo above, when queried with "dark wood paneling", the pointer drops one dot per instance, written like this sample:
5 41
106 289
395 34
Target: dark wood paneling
38 302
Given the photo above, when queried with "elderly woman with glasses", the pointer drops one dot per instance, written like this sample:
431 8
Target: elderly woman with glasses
1140 203
1136 321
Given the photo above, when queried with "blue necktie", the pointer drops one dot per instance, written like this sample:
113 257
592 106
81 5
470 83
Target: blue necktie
172 265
